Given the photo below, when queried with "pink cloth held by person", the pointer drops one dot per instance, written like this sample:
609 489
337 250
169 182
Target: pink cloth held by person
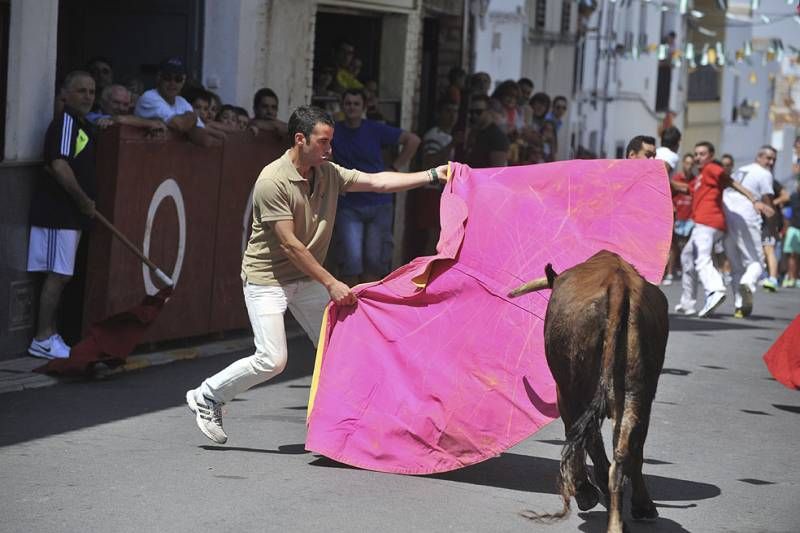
436 368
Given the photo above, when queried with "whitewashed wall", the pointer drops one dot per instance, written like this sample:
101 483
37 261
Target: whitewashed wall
234 54
499 40
631 81
33 33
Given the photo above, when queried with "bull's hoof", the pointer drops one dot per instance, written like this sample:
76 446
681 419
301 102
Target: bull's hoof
586 497
645 512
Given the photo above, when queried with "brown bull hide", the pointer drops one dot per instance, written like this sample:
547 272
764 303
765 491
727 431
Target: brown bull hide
605 335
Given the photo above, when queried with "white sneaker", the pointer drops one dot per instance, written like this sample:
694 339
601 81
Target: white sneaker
208 415
712 302
50 348
684 311
667 280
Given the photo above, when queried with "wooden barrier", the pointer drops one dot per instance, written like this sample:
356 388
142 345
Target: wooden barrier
185 206
242 161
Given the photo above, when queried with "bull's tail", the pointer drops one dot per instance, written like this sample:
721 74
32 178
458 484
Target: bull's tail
537 284
587 426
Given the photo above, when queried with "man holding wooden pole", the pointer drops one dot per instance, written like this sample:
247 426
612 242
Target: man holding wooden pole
61 207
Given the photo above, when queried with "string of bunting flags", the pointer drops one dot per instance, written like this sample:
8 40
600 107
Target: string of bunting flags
763 50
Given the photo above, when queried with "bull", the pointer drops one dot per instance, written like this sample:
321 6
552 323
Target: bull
605 336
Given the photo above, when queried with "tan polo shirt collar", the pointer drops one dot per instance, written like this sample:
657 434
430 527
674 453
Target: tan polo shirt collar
295 175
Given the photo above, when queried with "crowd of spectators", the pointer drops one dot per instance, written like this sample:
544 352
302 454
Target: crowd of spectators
175 103
508 125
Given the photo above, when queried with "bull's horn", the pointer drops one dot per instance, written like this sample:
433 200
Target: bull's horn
535 285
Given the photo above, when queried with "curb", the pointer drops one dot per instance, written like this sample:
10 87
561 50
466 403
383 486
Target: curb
18 375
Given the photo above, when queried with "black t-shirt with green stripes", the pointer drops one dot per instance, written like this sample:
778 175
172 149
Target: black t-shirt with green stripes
72 139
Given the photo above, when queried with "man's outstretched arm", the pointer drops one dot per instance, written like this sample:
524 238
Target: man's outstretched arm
398 181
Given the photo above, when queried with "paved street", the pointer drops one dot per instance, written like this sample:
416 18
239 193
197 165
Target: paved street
123 454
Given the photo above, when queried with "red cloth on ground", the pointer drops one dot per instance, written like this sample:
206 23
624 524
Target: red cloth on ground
783 357
111 340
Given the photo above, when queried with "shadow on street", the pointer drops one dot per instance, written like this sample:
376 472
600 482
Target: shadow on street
683 323
80 404
537 474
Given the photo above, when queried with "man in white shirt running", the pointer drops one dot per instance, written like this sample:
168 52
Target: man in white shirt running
743 240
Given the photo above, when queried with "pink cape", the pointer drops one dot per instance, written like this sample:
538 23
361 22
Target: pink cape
436 368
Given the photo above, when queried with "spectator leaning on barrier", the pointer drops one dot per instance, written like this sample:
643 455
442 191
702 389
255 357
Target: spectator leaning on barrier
61 207
480 83
265 112
115 106
556 114
540 105
525 92
294 209
166 103
201 104
364 230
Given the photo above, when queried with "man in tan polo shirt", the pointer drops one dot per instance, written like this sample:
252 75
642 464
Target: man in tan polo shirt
294 207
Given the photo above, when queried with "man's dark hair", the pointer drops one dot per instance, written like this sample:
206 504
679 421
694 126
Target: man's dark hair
226 107
671 138
729 156
506 88
261 93
305 118
636 143
708 145
197 94
525 81
540 98
352 91
240 111
559 99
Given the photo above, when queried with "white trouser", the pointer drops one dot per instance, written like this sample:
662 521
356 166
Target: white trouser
744 250
306 299
697 264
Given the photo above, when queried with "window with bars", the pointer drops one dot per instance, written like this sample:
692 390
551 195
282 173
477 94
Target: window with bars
566 15
541 14
643 27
